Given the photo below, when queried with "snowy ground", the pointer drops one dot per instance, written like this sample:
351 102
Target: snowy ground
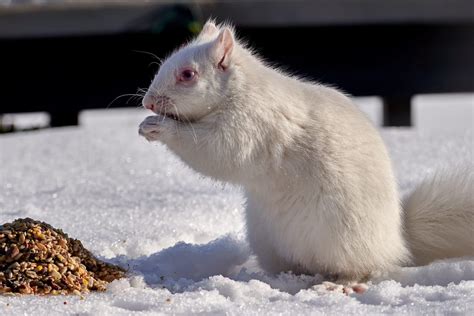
181 235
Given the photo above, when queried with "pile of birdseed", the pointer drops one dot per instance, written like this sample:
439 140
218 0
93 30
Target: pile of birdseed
36 258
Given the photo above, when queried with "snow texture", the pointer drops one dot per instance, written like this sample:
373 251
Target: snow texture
182 236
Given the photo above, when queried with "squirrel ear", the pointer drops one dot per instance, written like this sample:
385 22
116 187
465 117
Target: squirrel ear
208 30
222 48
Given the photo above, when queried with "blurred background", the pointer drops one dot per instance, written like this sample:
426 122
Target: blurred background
401 59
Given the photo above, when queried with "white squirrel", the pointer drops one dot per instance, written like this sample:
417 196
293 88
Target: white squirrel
320 189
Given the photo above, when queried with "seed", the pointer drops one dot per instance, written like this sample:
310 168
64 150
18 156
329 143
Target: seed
25 290
70 279
14 251
22 238
41 247
31 274
14 265
38 259
38 234
56 275
4 290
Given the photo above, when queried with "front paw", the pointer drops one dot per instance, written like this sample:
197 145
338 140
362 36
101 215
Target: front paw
152 127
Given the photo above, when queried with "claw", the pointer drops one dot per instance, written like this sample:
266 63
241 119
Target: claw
360 288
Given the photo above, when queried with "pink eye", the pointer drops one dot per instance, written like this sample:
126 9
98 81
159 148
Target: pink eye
187 75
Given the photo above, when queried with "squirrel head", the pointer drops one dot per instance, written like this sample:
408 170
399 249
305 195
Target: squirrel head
195 79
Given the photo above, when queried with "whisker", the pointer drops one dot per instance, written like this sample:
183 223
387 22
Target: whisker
153 90
188 123
176 125
161 108
154 63
141 92
149 53
139 97
130 95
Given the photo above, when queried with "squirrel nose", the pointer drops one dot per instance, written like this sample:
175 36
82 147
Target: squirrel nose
149 106
149 103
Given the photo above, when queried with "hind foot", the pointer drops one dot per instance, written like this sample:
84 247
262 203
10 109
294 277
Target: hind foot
341 287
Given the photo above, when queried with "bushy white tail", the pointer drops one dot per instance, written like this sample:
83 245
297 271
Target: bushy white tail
439 217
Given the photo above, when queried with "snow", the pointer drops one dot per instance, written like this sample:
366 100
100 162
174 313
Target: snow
182 236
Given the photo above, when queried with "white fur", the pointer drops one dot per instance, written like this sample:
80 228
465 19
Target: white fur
440 217
321 194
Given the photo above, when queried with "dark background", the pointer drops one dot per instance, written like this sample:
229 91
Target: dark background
66 72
